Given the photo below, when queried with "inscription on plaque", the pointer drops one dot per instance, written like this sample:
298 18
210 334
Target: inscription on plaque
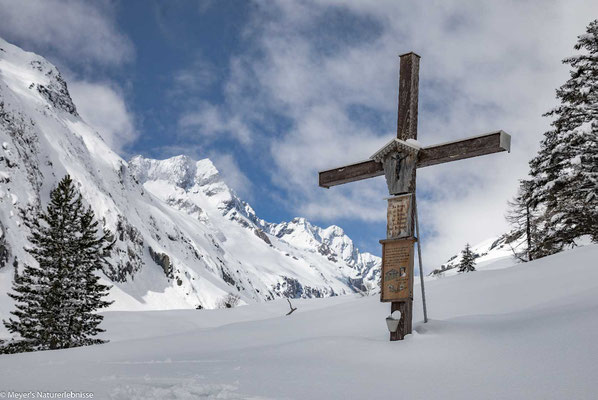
397 270
398 217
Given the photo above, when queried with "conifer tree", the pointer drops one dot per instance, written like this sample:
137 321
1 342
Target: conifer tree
525 221
56 300
467 263
564 174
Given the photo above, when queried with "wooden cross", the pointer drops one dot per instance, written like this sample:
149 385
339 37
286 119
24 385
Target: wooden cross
398 161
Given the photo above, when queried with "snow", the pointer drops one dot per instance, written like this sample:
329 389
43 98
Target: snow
414 142
522 332
493 253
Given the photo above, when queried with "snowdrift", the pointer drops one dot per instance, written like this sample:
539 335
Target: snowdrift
524 332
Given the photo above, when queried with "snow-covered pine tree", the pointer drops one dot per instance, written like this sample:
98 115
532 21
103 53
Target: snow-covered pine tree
56 300
467 263
564 182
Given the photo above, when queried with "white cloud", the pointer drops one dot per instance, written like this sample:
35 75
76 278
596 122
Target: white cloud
194 79
485 66
210 122
77 31
103 107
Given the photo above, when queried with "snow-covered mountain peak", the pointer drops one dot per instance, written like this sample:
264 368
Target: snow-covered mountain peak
181 171
333 231
297 231
178 170
34 77
183 237
331 242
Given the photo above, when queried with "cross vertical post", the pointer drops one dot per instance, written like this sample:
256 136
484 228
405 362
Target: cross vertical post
407 111
408 96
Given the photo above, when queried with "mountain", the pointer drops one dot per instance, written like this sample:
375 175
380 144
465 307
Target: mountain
184 238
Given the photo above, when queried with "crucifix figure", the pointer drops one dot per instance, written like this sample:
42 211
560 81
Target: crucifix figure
398 161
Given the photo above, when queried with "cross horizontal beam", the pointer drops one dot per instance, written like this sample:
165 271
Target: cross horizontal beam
488 143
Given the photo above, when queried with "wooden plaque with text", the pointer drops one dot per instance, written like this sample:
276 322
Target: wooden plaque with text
399 217
397 269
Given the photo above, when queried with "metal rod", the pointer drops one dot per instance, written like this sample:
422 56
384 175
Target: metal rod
419 255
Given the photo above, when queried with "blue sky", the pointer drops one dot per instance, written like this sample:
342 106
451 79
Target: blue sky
273 91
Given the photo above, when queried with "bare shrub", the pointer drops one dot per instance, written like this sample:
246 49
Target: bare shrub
231 300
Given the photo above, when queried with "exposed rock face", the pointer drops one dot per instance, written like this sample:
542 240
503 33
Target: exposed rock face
55 91
163 261
129 249
4 250
260 233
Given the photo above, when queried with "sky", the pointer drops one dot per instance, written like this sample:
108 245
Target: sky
274 91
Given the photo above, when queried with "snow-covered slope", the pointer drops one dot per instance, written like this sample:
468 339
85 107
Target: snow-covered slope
525 332
184 238
493 253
